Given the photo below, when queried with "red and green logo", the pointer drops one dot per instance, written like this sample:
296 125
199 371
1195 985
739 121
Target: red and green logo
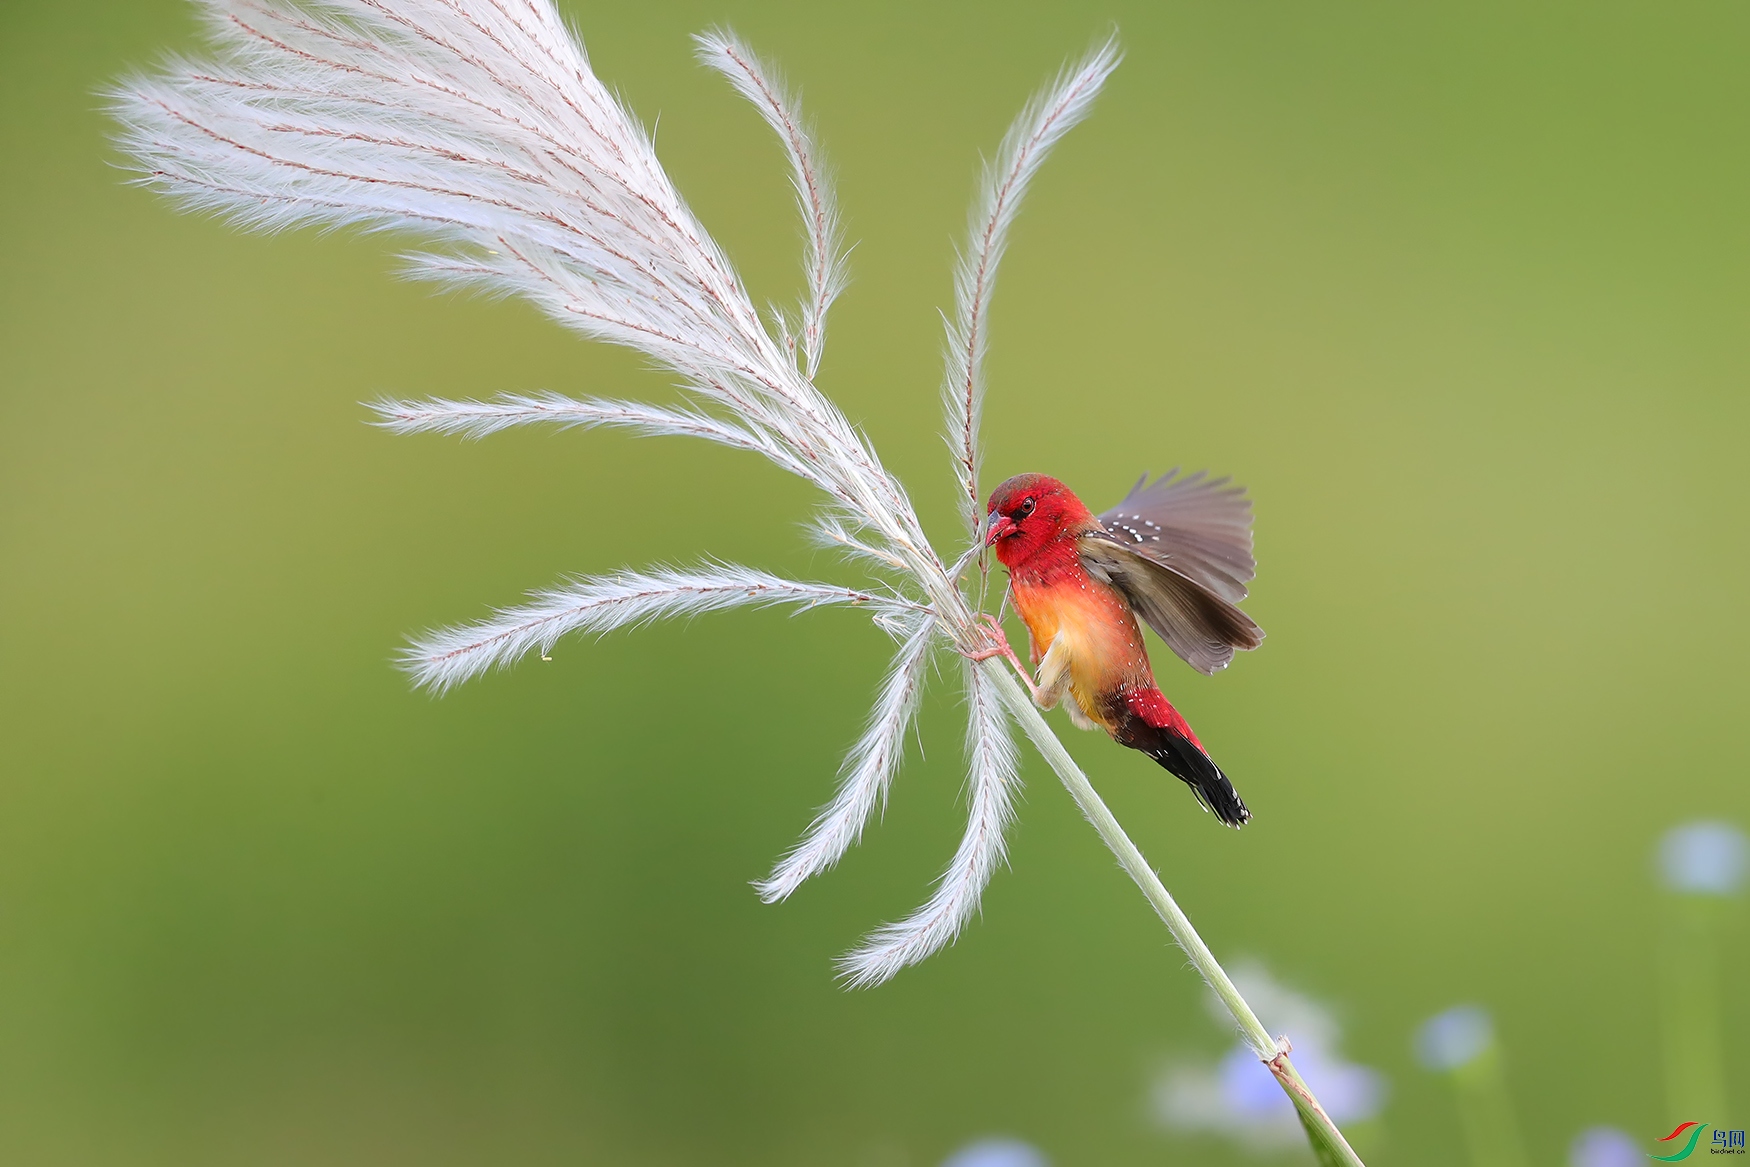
1725 1142
1693 1130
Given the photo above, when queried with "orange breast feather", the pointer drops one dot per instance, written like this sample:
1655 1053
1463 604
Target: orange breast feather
1091 625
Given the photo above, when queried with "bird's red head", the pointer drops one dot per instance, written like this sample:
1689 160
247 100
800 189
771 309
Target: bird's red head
1028 513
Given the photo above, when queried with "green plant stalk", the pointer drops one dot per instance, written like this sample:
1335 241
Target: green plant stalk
1694 1059
1328 1144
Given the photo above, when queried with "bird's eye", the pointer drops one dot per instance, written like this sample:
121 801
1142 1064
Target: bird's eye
1025 509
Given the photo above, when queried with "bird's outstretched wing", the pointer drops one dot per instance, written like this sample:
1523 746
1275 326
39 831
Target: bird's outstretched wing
1199 625
1199 526
1181 552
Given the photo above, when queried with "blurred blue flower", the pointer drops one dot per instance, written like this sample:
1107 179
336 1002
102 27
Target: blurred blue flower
1237 1096
1454 1038
1705 857
998 1153
1604 1146
1348 1092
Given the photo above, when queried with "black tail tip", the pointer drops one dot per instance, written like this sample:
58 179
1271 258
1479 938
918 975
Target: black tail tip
1225 803
1195 769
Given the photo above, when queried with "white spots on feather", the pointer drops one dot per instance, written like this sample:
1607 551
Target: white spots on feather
1125 524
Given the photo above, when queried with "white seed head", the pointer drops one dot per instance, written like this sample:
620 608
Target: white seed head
479 127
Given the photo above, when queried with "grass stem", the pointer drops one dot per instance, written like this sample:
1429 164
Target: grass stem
1328 1143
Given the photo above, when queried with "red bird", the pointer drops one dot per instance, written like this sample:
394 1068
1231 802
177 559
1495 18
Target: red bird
1178 553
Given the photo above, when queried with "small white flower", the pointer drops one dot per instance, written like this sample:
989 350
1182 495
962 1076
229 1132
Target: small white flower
1237 1096
1454 1038
1704 858
1604 1146
997 1153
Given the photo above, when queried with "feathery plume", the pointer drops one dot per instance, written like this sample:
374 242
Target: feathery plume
824 260
479 126
868 772
442 659
477 419
829 532
994 774
1041 124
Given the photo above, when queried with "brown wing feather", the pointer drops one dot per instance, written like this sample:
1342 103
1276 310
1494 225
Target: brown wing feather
1202 627
1199 526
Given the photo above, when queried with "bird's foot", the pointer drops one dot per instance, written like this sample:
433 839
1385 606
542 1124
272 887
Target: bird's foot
998 645
996 640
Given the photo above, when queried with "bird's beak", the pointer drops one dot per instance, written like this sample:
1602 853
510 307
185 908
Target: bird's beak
996 527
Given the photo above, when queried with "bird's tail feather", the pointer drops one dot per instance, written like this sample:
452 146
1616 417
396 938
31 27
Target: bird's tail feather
1143 719
1195 768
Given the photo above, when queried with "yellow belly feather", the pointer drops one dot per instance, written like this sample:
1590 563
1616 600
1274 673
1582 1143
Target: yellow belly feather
1085 635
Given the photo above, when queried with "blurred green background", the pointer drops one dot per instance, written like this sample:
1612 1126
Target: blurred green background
1460 292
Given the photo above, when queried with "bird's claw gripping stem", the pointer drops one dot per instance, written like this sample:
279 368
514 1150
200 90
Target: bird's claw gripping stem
999 646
